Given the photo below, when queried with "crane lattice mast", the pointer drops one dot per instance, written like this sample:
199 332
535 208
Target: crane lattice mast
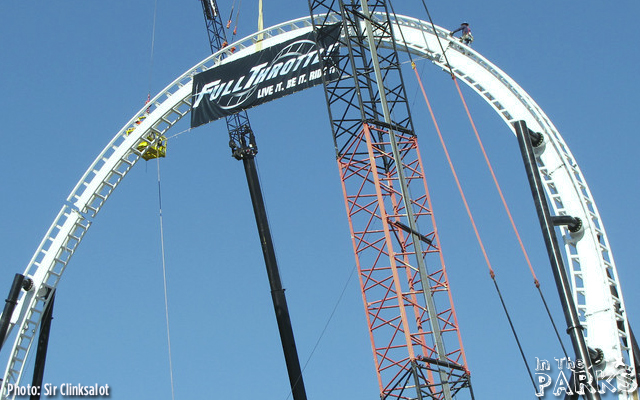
238 124
414 334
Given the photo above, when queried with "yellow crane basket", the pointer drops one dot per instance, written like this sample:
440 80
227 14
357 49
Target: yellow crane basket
157 149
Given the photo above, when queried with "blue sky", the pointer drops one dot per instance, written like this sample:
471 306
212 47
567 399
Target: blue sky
72 73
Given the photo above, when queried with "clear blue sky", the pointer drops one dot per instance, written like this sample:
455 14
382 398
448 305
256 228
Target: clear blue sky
72 73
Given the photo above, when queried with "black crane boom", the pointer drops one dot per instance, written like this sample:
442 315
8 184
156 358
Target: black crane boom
243 147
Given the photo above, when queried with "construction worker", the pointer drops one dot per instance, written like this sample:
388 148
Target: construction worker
467 37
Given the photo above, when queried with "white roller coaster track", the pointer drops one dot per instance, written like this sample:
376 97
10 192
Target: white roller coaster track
596 288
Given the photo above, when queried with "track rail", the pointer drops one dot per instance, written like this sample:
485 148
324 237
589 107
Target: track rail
596 286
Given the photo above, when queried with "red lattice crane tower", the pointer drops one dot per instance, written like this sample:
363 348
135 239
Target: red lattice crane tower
414 334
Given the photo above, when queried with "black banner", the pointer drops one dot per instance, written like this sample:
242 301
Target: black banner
266 75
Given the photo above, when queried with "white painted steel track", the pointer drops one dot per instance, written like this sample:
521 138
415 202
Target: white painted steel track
591 266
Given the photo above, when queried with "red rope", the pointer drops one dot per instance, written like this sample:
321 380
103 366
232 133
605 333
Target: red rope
495 181
455 175
506 208
475 228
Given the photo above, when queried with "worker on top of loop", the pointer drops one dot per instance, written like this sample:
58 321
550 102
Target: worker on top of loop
467 37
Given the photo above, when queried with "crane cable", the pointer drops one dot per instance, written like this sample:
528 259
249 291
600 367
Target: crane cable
164 265
508 211
153 41
329 319
164 277
326 325
495 180
464 356
260 36
475 228
468 209
231 14
260 16
235 27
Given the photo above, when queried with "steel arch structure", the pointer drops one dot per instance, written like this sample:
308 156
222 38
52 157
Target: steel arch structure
596 287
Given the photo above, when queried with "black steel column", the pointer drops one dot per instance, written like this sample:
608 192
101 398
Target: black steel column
557 264
9 306
43 344
277 292
636 353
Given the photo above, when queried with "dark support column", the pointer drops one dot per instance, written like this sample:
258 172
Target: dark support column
43 344
636 353
572 383
553 249
277 292
9 306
